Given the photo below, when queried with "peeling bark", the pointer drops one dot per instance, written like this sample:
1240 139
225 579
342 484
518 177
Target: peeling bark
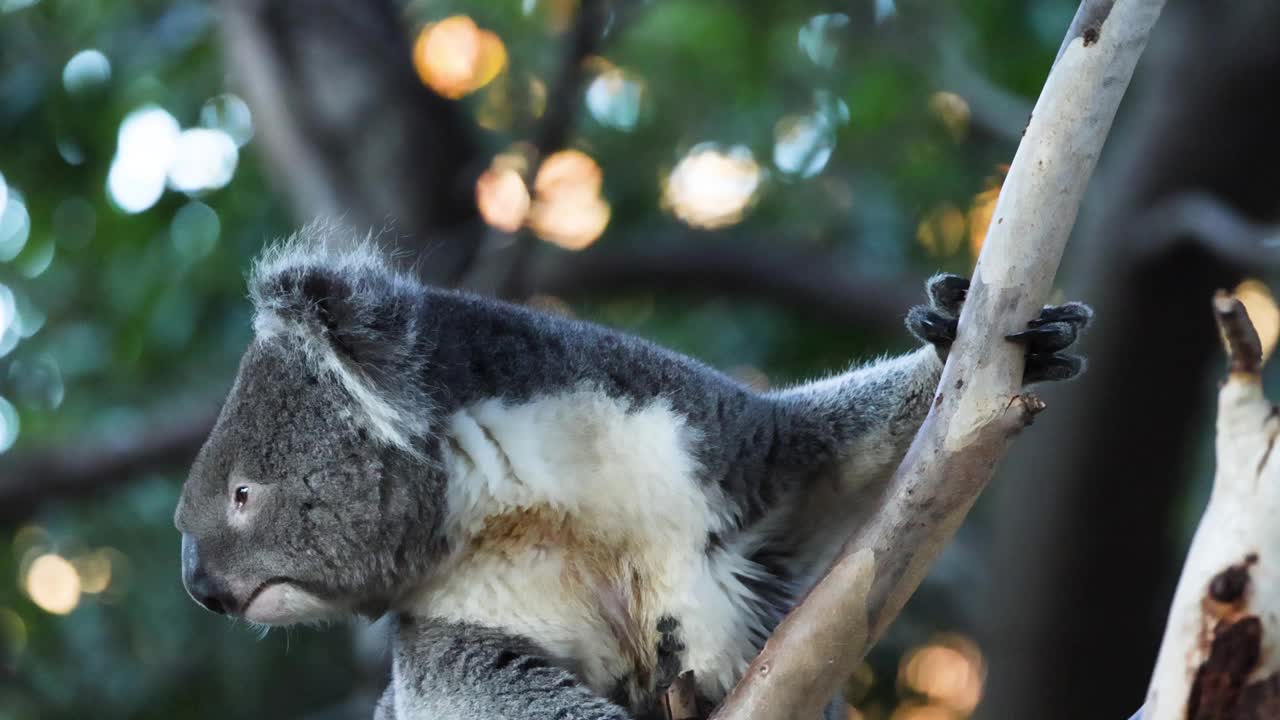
1219 659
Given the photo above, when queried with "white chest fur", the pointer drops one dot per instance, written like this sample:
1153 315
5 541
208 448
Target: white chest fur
578 520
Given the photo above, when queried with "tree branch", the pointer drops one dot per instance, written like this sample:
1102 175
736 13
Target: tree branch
348 128
1200 220
978 407
1227 605
810 284
37 476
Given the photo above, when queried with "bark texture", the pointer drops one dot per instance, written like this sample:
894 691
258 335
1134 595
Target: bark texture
1218 660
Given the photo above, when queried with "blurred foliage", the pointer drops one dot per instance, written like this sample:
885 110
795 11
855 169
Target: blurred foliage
118 321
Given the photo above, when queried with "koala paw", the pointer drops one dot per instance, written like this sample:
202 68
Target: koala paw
1045 338
935 323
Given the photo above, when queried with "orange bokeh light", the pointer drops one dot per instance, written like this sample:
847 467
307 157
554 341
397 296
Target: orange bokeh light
455 57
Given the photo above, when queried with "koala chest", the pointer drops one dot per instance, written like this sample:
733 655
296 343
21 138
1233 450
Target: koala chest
579 522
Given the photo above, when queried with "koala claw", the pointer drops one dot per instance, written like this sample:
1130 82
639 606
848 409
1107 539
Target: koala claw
1075 313
931 326
1047 338
1042 368
1055 330
947 293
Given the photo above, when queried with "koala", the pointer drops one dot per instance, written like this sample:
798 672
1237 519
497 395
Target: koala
560 518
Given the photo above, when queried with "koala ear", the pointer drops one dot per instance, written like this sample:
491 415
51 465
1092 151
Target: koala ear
366 312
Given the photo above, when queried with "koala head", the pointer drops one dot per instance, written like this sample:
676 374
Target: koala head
315 495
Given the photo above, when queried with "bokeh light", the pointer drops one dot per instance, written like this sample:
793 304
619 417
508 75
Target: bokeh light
145 149
4 193
15 226
85 71
8 308
10 320
1263 313
982 210
152 151
948 671
53 584
230 114
28 318
568 208
204 159
94 570
9 425
501 195
819 38
614 97
942 230
37 382
953 111
455 57
712 186
802 144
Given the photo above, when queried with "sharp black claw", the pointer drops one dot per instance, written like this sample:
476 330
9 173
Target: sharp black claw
1047 338
931 326
1050 367
1077 314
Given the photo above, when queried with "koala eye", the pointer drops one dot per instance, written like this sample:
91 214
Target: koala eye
241 496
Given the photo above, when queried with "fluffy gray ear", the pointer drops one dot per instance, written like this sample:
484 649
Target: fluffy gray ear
352 301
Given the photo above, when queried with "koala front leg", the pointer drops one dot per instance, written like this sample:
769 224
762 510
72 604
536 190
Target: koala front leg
457 671
865 419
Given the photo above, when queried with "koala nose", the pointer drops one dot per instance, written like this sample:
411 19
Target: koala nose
210 592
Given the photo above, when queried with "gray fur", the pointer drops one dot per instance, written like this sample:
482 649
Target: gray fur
448 671
335 426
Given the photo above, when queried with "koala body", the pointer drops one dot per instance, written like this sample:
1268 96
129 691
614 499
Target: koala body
561 517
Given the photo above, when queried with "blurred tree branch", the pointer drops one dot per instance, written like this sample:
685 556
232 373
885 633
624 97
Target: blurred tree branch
348 128
36 476
807 284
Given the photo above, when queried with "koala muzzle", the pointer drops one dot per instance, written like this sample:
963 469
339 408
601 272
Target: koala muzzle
212 593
